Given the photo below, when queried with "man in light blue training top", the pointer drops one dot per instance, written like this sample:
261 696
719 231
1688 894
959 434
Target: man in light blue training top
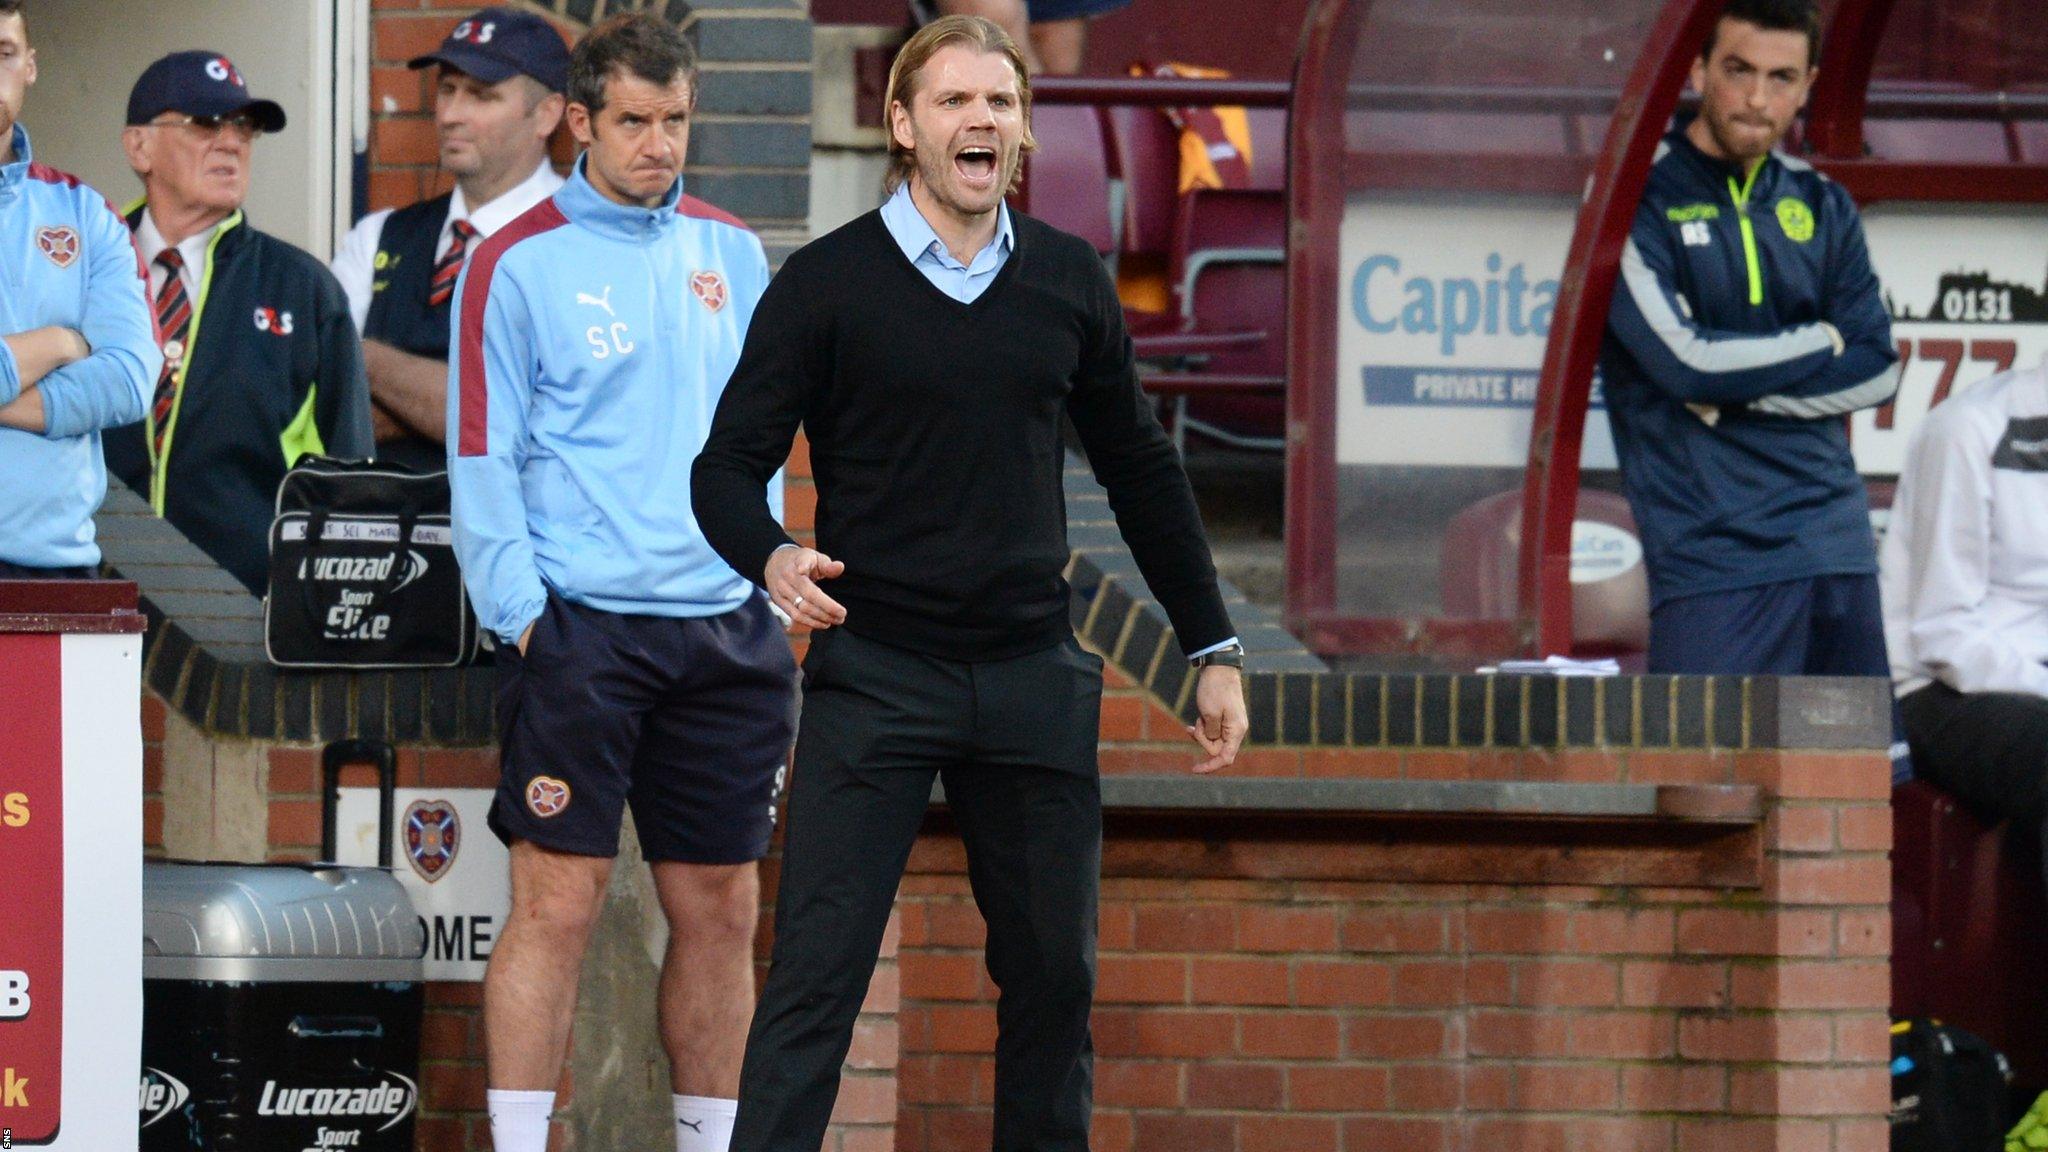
76 348
593 337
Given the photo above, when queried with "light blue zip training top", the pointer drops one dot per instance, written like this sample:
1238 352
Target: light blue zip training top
66 261
591 345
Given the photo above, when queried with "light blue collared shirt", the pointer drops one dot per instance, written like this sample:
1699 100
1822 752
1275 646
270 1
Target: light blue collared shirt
921 246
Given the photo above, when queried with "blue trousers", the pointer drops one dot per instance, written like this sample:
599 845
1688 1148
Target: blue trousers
1822 626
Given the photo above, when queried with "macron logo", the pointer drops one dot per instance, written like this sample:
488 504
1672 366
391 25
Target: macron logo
604 301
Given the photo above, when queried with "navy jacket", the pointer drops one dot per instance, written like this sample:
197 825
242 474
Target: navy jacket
1747 322
273 372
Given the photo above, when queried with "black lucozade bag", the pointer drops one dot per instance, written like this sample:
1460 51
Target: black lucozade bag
362 570
1948 1090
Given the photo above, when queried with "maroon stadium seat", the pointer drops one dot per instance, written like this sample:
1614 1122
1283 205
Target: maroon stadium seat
1385 131
1970 927
1066 179
1939 141
2032 136
1145 161
1225 255
1145 152
1230 275
1269 147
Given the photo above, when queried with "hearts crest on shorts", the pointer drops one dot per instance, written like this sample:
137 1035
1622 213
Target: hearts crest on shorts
546 796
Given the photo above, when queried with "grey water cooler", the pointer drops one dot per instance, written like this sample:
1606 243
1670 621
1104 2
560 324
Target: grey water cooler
281 1009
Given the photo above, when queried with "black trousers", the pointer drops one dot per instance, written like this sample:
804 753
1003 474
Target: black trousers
1014 741
1987 749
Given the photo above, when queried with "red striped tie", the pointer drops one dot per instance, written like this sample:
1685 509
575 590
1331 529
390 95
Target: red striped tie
450 264
173 325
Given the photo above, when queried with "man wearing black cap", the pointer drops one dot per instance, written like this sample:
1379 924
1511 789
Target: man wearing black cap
261 363
497 100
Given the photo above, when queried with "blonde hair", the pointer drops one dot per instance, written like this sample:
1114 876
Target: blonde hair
971 32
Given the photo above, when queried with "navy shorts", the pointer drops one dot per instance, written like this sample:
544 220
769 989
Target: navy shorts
687 719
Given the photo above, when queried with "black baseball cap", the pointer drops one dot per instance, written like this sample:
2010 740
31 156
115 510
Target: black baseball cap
498 43
198 83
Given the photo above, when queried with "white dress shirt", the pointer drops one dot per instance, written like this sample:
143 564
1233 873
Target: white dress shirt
150 243
355 260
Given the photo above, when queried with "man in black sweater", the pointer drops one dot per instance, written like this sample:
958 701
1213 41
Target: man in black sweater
929 350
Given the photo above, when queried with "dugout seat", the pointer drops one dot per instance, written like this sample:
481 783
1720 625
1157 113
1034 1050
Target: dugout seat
1938 141
1394 132
1610 617
2031 138
1970 927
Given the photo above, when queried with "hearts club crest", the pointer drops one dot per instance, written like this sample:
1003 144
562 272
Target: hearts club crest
433 835
59 244
710 289
546 796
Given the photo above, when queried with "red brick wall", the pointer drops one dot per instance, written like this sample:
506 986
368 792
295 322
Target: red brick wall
1265 1004
1254 1009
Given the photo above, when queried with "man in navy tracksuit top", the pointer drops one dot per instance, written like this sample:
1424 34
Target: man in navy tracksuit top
77 350
594 335
1747 323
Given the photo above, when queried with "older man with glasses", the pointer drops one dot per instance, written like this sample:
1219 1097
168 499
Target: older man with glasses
261 360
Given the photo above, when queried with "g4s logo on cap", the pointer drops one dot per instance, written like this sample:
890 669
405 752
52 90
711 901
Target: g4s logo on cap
474 31
220 69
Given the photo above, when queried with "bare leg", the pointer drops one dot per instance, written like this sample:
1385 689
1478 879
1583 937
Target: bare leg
1010 14
530 986
1060 45
707 977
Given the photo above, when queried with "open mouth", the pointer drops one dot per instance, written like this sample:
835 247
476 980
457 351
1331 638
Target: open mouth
976 165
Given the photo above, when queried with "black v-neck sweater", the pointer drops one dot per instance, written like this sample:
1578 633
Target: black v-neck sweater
935 442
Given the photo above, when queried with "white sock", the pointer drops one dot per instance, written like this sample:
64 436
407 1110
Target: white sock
519 1120
703 1123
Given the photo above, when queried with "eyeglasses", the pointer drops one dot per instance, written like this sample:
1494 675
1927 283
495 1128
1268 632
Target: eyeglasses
240 123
